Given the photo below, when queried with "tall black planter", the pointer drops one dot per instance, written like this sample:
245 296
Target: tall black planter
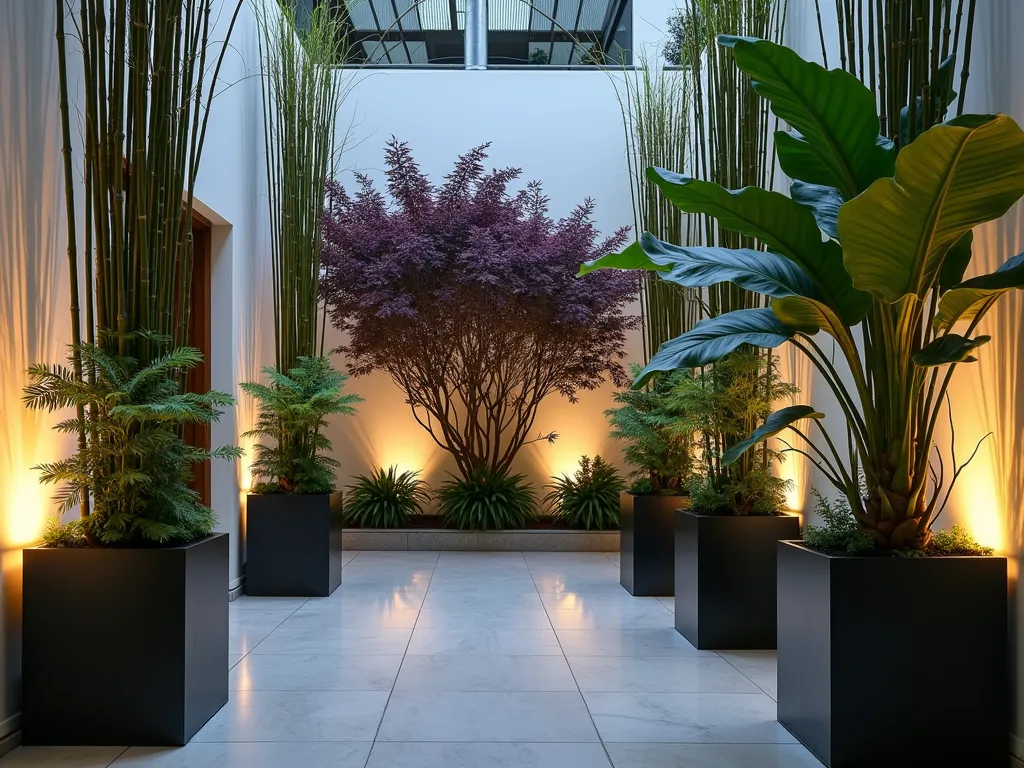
725 578
293 544
888 662
647 543
124 646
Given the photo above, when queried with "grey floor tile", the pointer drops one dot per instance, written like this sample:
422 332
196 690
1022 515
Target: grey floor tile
296 716
527 717
249 603
711 756
760 667
315 640
249 755
484 642
626 642
486 673
485 602
343 672
481 618
61 757
612 597
658 674
233 659
385 617
629 617
486 755
729 718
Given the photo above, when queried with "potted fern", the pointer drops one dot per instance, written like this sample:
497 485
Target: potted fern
661 458
294 516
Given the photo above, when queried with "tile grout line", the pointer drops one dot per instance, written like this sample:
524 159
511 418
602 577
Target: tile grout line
119 756
600 739
746 677
405 655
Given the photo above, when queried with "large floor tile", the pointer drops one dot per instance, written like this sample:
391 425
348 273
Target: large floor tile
629 617
610 598
315 640
481 601
249 755
419 716
626 642
248 603
61 757
728 718
486 673
484 642
366 599
247 628
711 756
483 618
761 667
345 672
658 674
486 755
296 716
355 618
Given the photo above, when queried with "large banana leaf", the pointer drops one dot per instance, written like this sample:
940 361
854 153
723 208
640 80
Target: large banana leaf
806 315
951 348
773 424
965 300
824 203
632 257
777 221
954 177
712 339
836 141
699 267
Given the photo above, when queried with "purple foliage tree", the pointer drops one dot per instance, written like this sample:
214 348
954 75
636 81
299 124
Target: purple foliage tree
466 295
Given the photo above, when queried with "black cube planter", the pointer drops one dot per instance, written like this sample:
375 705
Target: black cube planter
647 543
888 662
124 646
725 578
293 544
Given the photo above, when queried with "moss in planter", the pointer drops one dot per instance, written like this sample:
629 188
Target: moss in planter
839 535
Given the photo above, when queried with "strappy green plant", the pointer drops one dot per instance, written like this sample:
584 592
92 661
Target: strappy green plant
590 498
871 248
487 500
134 465
293 411
386 498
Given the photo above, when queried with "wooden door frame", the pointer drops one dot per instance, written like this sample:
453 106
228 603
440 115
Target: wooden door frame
199 336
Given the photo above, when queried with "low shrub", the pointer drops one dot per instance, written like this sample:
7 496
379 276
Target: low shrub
487 500
590 498
386 498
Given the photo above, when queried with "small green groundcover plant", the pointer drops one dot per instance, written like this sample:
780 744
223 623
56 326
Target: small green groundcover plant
293 411
133 464
590 498
487 500
839 535
386 498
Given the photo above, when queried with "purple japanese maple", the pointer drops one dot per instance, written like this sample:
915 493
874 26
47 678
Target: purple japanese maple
466 295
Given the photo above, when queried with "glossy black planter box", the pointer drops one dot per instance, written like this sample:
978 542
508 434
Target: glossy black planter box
124 646
888 662
647 543
725 578
293 544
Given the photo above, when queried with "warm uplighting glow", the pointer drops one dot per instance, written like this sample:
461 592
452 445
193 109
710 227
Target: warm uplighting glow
27 510
796 468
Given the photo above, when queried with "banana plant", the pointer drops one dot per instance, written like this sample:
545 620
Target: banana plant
864 271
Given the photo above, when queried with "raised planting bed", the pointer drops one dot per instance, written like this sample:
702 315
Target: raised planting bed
427 533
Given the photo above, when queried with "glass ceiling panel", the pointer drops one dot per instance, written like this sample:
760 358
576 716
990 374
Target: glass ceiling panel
508 15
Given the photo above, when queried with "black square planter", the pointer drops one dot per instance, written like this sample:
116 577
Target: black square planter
647 543
293 544
888 662
124 646
725 578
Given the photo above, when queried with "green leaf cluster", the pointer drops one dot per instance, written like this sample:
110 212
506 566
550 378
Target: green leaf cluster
293 411
487 500
386 498
590 498
133 465
646 419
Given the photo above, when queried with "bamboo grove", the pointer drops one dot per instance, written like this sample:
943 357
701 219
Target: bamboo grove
301 97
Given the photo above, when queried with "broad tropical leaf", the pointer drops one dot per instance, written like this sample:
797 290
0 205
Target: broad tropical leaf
836 140
773 424
780 223
958 257
954 177
714 338
965 300
699 267
806 315
824 203
632 257
950 348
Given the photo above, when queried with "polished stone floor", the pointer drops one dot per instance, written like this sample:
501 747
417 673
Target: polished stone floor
470 660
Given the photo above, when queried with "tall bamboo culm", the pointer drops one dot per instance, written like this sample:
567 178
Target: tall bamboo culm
145 105
655 105
731 142
907 52
302 94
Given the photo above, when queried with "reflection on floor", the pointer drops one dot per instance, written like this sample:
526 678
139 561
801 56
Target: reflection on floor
471 660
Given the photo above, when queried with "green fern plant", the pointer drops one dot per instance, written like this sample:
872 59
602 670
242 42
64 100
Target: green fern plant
644 421
487 500
133 466
293 411
386 498
590 498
